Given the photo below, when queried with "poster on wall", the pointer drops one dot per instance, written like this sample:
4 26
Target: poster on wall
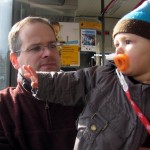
91 25
69 33
70 55
88 40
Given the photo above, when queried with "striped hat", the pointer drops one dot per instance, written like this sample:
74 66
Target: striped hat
136 22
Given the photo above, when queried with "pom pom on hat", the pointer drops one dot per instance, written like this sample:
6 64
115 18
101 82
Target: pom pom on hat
136 22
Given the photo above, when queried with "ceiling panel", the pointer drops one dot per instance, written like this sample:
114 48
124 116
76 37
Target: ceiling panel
93 7
82 8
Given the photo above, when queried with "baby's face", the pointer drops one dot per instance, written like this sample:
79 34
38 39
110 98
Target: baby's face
137 49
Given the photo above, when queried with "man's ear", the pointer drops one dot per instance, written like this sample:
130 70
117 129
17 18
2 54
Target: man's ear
14 60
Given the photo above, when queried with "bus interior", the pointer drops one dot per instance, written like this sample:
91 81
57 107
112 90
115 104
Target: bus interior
87 17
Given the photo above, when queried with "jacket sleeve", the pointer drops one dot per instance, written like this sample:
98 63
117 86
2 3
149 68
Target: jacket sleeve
66 88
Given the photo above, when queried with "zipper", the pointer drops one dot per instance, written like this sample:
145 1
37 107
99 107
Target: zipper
48 114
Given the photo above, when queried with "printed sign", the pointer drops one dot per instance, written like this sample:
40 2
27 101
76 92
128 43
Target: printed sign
70 55
88 40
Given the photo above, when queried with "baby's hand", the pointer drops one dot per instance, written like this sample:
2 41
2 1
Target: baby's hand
31 73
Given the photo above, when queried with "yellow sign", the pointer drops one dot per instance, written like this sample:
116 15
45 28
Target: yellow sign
70 55
90 25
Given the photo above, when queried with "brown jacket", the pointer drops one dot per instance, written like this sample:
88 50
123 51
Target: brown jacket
30 124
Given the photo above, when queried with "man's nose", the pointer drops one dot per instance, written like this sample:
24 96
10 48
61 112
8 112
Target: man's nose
47 51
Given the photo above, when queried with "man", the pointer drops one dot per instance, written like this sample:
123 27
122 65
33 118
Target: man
27 123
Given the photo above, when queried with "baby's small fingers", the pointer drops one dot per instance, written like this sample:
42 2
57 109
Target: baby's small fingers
27 75
34 85
26 68
32 71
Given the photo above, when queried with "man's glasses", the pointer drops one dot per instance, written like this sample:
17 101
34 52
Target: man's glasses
52 46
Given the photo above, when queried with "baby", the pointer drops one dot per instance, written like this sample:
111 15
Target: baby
116 96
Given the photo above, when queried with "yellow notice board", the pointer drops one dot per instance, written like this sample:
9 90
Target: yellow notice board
70 55
91 25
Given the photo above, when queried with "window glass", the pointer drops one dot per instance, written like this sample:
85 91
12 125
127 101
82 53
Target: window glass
5 25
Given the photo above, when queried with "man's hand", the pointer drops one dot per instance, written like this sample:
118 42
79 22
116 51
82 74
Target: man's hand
31 73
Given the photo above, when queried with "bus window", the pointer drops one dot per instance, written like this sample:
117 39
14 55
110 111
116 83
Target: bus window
5 25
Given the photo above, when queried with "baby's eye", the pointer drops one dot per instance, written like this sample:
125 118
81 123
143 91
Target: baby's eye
116 45
128 41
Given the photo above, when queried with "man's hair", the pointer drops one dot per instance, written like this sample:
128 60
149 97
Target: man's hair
14 40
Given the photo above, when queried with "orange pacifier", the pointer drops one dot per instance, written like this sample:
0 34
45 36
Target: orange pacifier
121 61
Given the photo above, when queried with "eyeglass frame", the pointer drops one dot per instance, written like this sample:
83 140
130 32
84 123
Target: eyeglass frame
42 47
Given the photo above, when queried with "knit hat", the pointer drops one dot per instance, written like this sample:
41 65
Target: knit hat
136 22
